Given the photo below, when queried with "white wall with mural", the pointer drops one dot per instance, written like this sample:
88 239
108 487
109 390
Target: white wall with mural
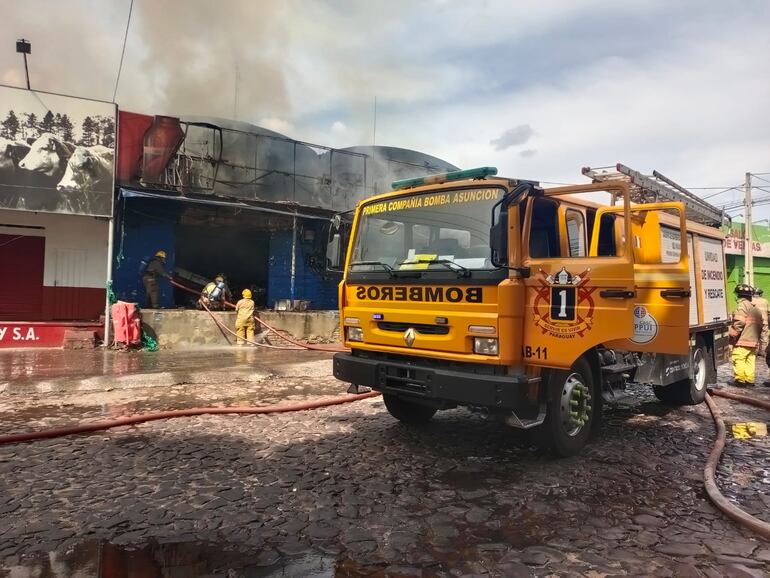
57 153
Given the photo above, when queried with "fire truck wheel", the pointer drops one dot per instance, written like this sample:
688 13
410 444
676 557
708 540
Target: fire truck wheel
407 411
570 413
690 391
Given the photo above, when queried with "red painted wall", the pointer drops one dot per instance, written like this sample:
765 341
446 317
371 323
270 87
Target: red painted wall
21 334
31 335
73 303
22 259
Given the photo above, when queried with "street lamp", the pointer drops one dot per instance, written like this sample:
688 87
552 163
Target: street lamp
24 47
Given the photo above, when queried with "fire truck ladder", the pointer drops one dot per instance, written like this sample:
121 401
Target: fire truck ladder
657 188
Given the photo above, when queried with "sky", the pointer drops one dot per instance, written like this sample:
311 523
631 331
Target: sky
538 89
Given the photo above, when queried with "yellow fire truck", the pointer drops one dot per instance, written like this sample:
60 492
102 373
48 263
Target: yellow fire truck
532 305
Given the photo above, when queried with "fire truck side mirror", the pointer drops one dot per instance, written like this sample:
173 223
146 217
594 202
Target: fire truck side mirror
498 236
333 252
339 233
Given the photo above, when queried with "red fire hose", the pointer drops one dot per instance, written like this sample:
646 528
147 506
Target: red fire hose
144 417
709 472
299 344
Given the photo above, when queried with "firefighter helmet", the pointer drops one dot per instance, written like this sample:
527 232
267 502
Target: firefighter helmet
744 290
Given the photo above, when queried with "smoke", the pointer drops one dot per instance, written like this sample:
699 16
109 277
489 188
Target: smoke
198 51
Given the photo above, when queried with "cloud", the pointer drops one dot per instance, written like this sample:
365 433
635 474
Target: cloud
527 153
517 135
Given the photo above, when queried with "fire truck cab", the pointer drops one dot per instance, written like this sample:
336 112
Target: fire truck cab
531 305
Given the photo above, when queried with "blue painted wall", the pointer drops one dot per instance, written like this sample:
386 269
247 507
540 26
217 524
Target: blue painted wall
145 230
149 225
316 287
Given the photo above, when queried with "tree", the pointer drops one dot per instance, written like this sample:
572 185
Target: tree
47 124
66 128
57 125
88 130
108 131
30 125
10 126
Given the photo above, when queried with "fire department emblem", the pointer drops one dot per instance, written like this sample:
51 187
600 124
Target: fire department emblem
564 305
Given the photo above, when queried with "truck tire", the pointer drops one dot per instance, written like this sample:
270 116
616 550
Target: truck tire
690 391
407 411
572 397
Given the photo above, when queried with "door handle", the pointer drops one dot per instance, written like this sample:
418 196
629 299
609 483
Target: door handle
617 294
675 293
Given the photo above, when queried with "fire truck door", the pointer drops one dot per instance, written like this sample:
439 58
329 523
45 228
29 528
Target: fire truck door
575 299
661 308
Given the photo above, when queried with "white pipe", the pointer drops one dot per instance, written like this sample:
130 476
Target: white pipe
110 243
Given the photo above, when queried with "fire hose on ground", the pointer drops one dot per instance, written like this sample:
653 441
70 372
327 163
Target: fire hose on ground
154 416
298 344
709 472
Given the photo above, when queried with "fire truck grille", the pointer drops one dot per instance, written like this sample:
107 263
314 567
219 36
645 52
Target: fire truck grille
423 328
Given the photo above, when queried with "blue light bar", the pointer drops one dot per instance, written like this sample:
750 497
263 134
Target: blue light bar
477 173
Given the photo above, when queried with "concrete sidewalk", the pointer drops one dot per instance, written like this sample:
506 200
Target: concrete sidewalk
55 370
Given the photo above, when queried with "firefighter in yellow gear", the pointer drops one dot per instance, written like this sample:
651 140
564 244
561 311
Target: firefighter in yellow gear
244 318
215 294
154 271
764 308
745 335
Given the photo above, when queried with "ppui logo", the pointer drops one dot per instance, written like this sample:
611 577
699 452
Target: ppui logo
640 312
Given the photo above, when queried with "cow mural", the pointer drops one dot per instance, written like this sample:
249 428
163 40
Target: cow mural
21 188
11 153
57 153
48 155
87 181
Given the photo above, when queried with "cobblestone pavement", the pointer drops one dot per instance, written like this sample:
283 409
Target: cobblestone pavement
349 491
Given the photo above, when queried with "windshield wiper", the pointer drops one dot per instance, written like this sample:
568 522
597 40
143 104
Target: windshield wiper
388 268
448 263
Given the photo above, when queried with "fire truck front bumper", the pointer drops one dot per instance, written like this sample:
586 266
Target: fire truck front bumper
419 378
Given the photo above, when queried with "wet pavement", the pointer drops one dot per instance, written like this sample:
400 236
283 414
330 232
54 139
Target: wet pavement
348 491
57 370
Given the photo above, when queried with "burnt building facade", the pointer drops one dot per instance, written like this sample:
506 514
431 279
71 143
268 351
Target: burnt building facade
233 198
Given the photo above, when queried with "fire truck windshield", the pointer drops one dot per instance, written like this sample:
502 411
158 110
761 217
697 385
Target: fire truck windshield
442 231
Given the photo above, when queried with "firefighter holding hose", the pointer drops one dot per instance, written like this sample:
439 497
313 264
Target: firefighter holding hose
215 294
152 272
244 318
745 336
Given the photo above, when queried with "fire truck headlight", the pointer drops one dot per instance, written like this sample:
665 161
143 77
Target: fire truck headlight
485 345
355 334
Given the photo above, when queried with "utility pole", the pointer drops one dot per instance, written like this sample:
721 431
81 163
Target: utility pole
24 47
748 237
374 128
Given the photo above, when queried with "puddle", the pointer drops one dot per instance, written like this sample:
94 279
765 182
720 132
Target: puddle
162 560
